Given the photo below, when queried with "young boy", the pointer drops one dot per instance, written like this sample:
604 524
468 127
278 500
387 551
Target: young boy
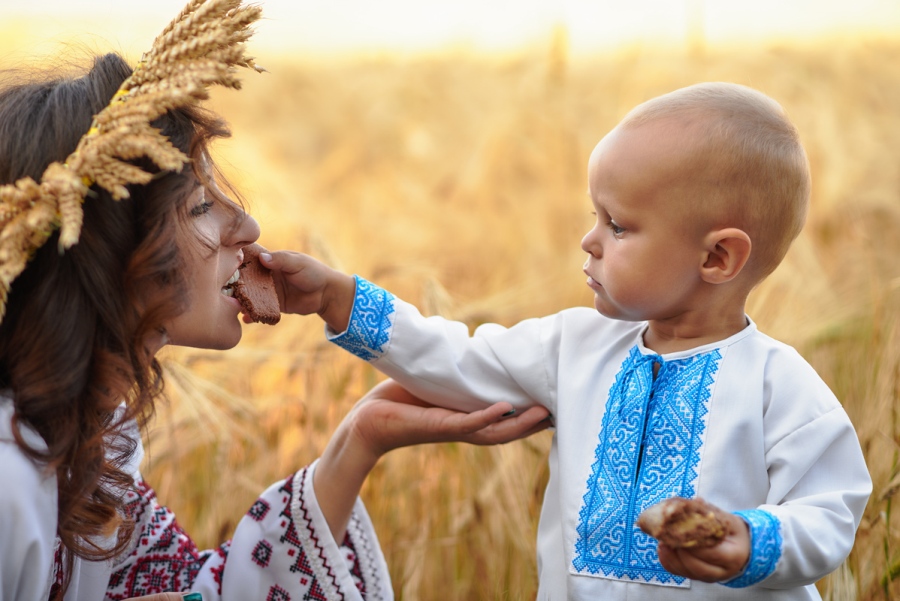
668 388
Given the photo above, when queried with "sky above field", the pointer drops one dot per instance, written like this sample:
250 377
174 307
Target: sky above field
414 25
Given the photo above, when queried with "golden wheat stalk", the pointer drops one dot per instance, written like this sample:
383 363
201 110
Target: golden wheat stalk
203 46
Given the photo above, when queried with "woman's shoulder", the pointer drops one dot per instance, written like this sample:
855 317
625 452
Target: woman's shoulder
31 478
27 514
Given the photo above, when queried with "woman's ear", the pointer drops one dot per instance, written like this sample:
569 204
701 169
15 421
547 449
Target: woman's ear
726 252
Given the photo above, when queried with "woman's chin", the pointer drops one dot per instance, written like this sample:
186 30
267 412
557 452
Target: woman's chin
216 339
230 341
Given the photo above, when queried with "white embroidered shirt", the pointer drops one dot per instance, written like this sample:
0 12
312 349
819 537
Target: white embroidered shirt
282 548
745 423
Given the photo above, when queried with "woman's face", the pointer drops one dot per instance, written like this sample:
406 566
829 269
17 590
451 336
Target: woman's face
212 246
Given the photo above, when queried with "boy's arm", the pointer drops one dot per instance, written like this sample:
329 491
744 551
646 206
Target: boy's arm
818 490
436 359
439 360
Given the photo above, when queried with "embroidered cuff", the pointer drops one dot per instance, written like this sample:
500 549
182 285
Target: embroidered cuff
765 547
368 332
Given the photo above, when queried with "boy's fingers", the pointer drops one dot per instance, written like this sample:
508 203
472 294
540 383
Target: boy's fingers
532 420
670 560
286 261
684 563
275 259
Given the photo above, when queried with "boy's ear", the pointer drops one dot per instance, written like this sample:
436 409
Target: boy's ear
726 253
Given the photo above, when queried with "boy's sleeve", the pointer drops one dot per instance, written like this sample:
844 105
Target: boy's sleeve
818 489
438 360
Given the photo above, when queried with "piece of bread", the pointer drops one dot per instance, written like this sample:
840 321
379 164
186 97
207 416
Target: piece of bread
683 523
256 289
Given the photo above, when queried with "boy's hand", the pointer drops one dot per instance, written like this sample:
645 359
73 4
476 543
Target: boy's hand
306 286
719 563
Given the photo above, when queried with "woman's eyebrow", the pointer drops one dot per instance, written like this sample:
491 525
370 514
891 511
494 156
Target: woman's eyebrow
194 189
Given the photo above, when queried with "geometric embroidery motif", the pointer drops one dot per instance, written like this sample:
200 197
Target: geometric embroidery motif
262 554
164 559
353 560
258 510
368 330
276 593
297 550
765 543
648 451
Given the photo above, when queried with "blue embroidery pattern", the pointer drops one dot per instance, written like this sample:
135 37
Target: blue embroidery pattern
370 324
648 451
765 549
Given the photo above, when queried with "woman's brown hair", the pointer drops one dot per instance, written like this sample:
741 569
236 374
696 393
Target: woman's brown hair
73 343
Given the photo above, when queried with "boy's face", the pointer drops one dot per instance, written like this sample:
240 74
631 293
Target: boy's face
645 250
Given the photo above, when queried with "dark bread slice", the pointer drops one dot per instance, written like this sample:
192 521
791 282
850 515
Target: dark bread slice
683 523
256 289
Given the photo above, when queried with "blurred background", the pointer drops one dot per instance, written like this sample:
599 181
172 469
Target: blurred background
439 149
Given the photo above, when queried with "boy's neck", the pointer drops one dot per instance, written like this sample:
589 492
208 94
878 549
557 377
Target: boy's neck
693 330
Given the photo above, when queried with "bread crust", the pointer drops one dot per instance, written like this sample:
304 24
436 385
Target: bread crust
684 523
255 289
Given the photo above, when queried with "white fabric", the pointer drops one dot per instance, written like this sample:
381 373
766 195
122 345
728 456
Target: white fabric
27 521
774 439
282 549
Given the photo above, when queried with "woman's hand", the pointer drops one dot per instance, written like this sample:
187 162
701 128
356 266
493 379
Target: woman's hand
389 417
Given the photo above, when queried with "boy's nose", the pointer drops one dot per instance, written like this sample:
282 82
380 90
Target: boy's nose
591 244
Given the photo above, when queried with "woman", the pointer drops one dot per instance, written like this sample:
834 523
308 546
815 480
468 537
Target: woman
78 374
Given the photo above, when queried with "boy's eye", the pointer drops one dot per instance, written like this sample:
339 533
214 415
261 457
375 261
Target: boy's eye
615 228
201 209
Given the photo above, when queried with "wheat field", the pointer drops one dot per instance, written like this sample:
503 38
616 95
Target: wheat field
458 182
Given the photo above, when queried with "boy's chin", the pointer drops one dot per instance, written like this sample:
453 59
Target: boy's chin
604 309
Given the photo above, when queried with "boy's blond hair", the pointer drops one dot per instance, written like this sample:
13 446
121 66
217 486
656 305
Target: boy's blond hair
754 173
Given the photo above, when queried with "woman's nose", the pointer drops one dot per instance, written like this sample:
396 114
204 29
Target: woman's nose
247 231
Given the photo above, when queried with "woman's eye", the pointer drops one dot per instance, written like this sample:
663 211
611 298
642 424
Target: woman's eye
201 209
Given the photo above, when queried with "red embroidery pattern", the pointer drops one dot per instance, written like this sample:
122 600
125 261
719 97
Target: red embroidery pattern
297 549
289 550
58 573
276 593
262 553
216 565
259 510
353 561
367 561
164 559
